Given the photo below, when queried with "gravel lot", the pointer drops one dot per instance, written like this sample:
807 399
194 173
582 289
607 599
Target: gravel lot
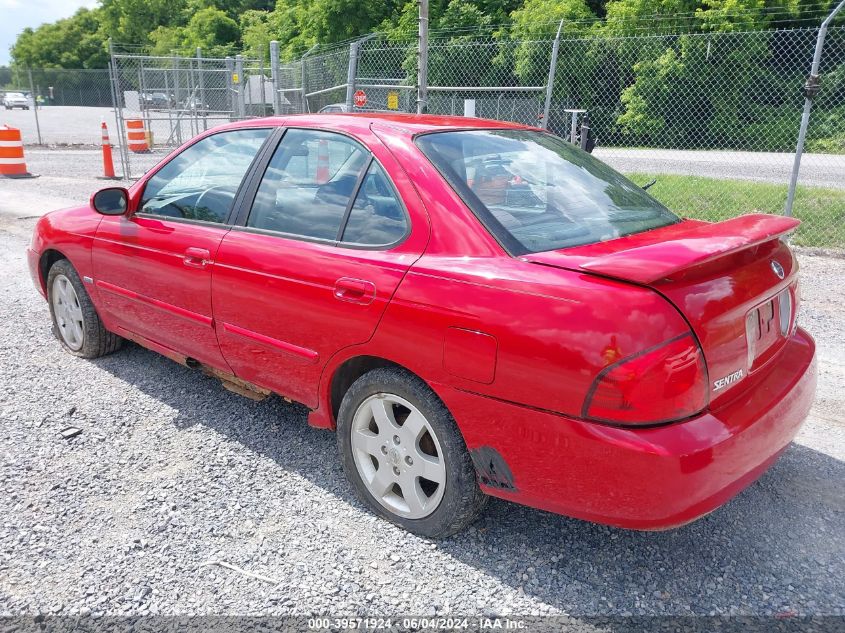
172 472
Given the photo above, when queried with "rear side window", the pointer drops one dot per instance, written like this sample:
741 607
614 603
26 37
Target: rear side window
201 182
377 217
309 184
536 192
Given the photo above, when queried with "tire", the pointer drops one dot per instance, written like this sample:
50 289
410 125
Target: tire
76 323
418 435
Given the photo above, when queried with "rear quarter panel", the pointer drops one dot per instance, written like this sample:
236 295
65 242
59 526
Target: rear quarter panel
548 332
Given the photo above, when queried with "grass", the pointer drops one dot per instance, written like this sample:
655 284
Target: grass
822 211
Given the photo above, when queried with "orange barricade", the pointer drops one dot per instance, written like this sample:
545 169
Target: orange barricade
108 162
137 136
12 162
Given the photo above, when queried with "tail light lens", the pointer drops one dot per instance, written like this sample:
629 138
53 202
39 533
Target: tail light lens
662 384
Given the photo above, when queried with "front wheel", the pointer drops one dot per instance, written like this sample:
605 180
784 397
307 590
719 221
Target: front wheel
405 456
75 320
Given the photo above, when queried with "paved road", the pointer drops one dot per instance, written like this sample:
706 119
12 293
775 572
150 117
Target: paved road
819 170
80 125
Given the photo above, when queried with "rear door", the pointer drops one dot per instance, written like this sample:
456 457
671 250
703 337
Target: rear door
153 267
324 246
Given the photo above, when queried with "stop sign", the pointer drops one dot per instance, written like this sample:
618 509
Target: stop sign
360 98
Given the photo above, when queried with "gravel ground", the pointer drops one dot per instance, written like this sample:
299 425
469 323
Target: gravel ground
172 472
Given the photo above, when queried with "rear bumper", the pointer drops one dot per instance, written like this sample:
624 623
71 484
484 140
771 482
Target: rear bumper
648 479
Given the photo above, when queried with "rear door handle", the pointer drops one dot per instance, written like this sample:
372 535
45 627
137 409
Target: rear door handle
196 257
355 290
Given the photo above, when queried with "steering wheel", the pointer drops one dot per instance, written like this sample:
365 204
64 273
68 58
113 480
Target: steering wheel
230 196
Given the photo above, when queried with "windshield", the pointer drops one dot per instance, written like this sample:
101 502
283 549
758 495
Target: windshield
536 192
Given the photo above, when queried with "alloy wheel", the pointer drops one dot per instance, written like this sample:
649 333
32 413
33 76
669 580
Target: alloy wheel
398 456
69 318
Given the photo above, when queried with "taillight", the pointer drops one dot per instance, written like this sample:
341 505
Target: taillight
665 383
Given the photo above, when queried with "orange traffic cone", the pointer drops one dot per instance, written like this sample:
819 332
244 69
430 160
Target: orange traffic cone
12 162
321 175
137 136
108 162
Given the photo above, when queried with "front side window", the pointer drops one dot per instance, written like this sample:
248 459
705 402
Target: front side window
309 184
536 192
201 182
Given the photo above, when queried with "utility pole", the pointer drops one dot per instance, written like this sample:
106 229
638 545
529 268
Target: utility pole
422 59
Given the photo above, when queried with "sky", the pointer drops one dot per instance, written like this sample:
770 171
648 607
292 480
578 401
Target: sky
16 15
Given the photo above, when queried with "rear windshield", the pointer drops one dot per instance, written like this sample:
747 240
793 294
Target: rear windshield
536 192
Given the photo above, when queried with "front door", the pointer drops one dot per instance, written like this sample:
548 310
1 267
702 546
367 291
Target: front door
153 267
324 246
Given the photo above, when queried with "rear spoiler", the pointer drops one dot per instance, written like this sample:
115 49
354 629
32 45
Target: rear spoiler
701 244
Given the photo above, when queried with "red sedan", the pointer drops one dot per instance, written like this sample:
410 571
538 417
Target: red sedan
478 308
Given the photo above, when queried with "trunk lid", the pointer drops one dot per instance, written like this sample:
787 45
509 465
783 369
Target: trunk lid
735 283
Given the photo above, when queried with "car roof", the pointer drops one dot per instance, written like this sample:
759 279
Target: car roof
405 124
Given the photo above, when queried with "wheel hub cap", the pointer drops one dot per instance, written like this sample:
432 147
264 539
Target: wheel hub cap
398 456
69 319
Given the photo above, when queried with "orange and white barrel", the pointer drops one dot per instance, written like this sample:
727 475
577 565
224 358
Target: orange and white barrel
321 175
137 136
12 162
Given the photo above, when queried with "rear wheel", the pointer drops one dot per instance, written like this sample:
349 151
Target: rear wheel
76 323
405 456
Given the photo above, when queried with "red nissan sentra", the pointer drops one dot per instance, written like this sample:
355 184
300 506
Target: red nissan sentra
478 308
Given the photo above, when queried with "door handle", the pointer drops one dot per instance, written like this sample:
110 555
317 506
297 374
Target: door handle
355 290
196 257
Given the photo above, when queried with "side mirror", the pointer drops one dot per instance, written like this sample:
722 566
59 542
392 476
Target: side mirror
111 201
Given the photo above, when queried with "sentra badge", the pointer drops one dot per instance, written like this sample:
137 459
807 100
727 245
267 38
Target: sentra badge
728 380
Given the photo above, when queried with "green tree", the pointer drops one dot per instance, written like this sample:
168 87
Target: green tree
132 21
213 31
634 17
73 42
256 34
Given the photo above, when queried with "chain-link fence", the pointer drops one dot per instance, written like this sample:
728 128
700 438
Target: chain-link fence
63 106
172 99
712 118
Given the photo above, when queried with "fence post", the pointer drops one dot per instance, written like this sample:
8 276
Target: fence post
263 82
34 105
274 76
230 90
351 71
118 111
550 86
422 59
305 107
201 89
176 63
239 70
811 89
